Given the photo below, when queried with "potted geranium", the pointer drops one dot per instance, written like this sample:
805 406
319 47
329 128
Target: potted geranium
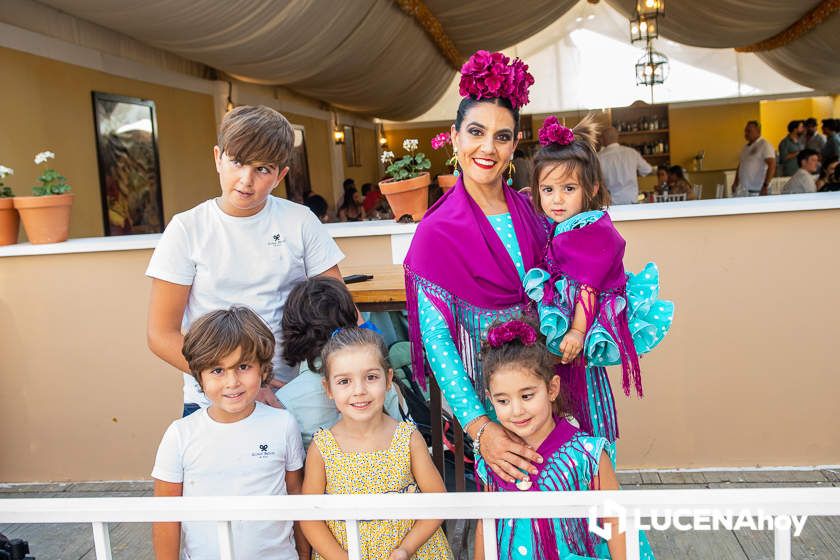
407 190
9 219
46 214
444 140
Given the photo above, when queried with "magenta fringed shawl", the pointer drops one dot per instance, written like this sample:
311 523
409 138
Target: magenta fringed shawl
459 257
575 531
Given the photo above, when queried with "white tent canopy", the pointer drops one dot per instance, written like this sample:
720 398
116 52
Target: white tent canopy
585 60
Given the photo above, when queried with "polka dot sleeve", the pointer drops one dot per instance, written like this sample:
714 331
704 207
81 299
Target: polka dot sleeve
454 382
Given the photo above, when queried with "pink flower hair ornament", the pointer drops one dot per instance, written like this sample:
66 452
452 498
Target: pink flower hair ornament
510 331
552 132
489 75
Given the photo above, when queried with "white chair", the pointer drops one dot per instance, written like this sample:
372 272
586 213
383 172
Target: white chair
698 191
776 185
719 190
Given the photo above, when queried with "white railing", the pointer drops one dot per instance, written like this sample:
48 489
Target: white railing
782 502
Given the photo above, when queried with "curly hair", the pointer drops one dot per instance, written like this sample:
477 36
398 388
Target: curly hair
219 333
314 309
535 358
579 157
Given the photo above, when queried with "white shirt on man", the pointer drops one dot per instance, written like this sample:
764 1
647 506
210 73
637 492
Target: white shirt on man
800 182
253 261
245 458
752 165
620 166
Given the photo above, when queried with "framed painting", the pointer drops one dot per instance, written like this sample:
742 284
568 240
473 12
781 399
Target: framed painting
129 167
297 179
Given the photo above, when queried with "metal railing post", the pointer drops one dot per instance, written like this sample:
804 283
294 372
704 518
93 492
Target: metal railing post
102 541
225 532
488 532
354 551
782 539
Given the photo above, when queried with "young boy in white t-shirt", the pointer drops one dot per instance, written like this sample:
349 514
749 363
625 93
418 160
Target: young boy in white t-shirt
235 447
244 247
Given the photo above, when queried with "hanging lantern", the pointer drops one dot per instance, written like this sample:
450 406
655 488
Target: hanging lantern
643 29
652 68
650 8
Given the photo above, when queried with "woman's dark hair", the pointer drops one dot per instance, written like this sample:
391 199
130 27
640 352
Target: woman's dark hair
535 358
579 157
678 171
348 201
314 309
468 103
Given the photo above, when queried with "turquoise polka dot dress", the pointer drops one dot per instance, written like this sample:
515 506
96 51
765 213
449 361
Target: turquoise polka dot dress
571 467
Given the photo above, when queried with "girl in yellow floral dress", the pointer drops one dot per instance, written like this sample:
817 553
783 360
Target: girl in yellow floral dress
368 452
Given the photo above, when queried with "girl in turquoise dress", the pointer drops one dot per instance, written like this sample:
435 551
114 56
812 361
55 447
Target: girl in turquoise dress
591 313
528 399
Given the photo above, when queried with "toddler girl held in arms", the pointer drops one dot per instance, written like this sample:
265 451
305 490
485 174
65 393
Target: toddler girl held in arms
584 298
368 452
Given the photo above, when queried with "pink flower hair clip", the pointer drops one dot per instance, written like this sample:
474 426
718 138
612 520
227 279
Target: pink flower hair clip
510 331
552 132
489 75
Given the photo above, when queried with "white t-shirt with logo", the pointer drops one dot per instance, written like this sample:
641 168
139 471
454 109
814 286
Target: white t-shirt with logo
245 458
253 261
752 166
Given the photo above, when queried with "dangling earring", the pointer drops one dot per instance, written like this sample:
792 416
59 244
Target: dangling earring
511 171
453 161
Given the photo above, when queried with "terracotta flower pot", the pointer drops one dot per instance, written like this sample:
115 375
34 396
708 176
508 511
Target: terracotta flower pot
46 219
446 182
9 222
410 196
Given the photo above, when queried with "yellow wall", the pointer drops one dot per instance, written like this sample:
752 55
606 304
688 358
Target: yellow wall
424 136
368 170
717 129
777 113
47 106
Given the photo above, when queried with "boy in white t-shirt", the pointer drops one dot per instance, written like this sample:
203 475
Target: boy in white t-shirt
244 247
235 447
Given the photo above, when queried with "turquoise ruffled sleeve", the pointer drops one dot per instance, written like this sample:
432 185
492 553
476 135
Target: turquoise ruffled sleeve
648 317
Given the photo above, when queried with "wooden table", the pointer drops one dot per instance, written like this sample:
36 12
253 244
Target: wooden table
385 292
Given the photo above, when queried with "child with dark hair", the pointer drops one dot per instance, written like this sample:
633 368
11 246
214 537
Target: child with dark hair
591 312
314 310
234 446
527 396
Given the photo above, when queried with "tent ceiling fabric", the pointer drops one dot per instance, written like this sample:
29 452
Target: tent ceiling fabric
810 60
365 56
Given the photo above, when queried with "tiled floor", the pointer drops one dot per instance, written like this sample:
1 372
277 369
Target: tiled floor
132 541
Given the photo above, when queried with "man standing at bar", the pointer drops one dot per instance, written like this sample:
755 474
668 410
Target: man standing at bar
789 147
620 166
757 164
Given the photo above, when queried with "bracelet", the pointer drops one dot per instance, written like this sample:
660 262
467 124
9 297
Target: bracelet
477 438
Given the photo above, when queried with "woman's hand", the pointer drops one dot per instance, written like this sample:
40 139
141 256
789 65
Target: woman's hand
571 345
508 457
